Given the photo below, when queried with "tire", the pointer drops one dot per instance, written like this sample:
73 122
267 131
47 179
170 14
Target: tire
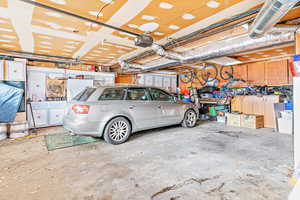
112 134
209 73
186 76
226 72
186 123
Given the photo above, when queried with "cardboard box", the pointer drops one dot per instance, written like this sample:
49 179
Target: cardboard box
20 117
252 121
285 126
233 119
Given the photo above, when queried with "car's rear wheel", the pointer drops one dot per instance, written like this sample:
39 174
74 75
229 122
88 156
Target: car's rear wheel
117 131
190 119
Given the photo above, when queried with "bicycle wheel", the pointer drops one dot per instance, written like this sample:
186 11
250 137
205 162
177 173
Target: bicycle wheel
186 76
226 72
209 73
198 78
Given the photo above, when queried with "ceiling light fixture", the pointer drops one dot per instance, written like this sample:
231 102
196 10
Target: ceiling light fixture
8 45
174 27
46 43
213 4
188 16
62 2
5 29
165 5
53 14
5 40
133 26
9 36
96 13
148 17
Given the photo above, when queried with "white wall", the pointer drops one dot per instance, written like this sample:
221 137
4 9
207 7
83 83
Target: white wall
297 120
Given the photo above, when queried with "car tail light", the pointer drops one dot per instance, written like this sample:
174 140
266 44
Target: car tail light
81 109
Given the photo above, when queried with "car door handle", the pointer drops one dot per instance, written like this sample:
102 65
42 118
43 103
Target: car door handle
131 107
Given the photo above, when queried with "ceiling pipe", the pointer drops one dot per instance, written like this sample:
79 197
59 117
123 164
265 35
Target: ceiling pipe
270 14
278 36
38 57
78 16
222 49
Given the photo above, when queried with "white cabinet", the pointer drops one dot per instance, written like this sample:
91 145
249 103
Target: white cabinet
56 116
40 118
15 71
46 113
37 86
1 70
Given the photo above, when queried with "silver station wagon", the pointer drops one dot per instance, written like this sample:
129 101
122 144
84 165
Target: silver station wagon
115 112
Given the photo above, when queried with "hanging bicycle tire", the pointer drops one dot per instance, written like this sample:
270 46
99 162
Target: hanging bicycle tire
209 73
186 76
226 72
198 79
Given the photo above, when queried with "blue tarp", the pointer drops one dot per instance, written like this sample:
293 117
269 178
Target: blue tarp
10 100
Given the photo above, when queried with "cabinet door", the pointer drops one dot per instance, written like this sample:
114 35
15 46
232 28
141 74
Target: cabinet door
256 73
269 114
236 104
277 72
240 72
1 70
258 105
15 71
40 118
56 117
247 105
37 86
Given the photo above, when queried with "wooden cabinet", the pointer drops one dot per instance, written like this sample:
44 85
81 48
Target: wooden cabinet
269 114
240 72
276 72
256 73
255 105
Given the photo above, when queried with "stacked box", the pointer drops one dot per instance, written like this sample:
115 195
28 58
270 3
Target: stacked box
233 119
252 121
3 131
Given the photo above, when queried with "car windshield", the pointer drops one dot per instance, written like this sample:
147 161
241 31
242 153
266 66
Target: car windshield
84 95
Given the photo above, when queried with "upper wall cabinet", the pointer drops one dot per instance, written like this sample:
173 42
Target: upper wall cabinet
277 72
256 73
15 71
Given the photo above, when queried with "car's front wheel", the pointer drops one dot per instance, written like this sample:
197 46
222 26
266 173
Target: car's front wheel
190 119
117 131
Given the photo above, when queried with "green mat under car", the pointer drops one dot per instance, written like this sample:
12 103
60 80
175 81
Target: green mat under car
59 141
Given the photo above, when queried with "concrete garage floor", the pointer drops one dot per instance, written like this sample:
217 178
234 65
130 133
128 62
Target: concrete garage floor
210 161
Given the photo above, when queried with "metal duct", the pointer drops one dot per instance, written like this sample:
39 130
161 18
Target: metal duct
269 15
227 47
159 50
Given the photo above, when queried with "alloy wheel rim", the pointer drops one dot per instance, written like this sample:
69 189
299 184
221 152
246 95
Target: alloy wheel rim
118 130
191 118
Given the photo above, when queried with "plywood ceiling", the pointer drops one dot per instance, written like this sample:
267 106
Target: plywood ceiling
32 29
50 45
162 18
3 3
8 37
267 53
107 52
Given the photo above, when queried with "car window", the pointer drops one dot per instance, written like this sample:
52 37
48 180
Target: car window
137 94
160 95
112 94
84 94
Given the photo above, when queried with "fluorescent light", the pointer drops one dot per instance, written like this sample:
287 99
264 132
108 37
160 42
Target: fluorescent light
5 40
225 61
148 17
45 42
